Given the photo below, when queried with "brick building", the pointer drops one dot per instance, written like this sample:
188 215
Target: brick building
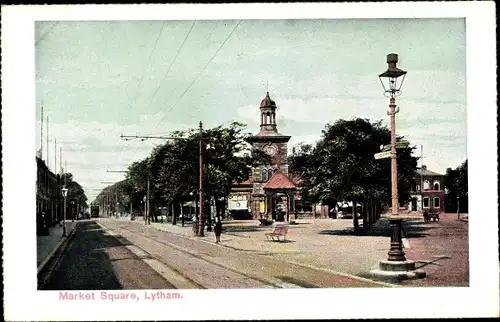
47 192
269 191
427 191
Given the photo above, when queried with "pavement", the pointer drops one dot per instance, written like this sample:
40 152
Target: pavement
439 248
46 246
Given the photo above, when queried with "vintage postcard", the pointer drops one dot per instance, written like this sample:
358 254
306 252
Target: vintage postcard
250 161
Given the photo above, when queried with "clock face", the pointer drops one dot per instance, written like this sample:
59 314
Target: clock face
270 149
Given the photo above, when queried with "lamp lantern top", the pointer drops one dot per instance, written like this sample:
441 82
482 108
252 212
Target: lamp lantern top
64 191
393 74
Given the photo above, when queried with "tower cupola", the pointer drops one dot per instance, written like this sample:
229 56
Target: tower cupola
268 115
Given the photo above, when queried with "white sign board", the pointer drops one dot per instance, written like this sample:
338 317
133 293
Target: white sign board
383 155
237 205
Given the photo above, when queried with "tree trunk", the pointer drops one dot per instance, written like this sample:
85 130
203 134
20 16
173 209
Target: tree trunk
182 216
372 215
355 215
209 216
366 226
174 217
196 209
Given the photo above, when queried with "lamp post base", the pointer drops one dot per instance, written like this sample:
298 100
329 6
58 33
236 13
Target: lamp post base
400 270
397 266
396 253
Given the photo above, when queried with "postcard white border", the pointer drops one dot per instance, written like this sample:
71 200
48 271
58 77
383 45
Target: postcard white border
23 302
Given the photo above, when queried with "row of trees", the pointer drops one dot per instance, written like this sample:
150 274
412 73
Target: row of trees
173 171
76 194
458 188
341 167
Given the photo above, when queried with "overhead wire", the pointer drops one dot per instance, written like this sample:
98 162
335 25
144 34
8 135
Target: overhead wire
46 33
201 72
140 85
165 75
171 64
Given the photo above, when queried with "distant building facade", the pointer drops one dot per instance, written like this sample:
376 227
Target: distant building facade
47 193
427 191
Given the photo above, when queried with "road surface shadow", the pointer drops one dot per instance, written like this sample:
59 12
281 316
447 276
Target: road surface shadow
281 241
85 264
411 229
237 229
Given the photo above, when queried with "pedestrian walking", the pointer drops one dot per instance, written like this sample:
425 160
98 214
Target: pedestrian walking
426 216
217 229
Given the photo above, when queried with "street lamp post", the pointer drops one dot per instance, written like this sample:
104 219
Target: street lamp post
65 194
395 78
396 264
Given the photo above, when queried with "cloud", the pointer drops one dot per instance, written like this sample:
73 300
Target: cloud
317 71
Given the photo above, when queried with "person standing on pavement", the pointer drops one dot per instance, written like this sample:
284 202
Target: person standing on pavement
217 229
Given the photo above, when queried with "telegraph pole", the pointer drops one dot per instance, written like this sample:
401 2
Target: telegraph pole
422 178
201 224
41 133
148 214
48 165
55 155
201 217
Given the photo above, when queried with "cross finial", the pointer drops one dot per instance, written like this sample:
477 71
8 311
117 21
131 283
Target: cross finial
267 86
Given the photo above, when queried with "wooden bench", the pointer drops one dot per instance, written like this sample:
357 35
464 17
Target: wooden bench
279 231
431 214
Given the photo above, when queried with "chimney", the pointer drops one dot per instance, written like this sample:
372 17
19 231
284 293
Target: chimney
424 167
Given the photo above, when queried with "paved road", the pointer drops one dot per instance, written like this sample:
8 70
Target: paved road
214 266
94 260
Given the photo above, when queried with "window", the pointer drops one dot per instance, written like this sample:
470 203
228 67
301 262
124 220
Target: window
426 202
436 185
266 174
427 185
417 187
436 202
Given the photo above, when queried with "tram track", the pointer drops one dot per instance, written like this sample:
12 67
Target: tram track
226 267
204 270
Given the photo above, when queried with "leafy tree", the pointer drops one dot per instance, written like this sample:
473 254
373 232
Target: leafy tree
76 195
341 166
456 181
173 168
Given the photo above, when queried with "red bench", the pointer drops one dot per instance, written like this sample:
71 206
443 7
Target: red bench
279 231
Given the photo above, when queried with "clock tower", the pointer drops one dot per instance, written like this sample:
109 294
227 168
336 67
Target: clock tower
271 142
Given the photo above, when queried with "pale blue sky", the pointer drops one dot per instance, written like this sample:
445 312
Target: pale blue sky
98 79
